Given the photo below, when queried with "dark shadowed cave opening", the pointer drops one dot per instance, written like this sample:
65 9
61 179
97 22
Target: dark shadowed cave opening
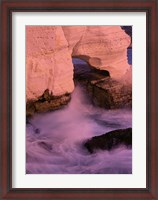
90 78
84 72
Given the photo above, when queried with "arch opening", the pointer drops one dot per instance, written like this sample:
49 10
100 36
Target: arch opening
83 71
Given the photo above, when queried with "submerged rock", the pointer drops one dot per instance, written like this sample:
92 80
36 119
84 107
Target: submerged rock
37 130
45 145
110 140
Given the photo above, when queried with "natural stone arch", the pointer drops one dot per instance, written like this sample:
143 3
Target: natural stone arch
83 71
103 47
50 50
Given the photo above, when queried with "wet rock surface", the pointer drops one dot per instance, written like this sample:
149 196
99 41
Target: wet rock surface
104 91
110 140
110 94
46 102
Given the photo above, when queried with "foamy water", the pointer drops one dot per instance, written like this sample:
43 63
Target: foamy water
54 139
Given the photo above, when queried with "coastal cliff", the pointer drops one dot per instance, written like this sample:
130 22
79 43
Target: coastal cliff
49 67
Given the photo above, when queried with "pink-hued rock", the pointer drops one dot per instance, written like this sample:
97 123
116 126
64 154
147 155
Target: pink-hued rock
73 35
49 52
48 62
105 48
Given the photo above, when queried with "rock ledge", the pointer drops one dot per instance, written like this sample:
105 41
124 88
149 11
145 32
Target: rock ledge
110 140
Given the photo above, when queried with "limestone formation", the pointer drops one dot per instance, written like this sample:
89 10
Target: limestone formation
49 52
103 47
48 62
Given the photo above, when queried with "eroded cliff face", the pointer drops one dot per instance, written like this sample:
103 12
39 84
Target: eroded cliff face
49 52
48 62
103 47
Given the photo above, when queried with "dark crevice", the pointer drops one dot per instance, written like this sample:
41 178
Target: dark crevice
85 72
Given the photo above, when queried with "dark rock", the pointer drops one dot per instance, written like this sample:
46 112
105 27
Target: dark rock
37 130
110 94
110 140
103 90
84 73
28 172
47 102
27 120
30 109
45 146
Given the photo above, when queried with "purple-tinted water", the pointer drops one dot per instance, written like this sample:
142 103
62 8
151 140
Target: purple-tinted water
56 148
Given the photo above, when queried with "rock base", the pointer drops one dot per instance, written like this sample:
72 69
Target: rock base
110 94
47 102
110 140
103 90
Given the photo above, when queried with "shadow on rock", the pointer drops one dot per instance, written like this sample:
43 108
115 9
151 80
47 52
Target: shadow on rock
110 140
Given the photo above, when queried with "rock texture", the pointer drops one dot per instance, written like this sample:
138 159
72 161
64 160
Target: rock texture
103 90
48 62
49 52
109 93
110 140
105 48
46 102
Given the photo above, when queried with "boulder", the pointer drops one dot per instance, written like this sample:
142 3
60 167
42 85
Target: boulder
110 140
110 94
104 91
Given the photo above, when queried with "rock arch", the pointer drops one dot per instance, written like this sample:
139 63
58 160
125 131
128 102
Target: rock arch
49 52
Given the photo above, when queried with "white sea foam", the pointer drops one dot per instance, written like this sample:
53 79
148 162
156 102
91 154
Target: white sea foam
54 139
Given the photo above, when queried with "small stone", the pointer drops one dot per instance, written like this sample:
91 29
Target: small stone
37 130
45 145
